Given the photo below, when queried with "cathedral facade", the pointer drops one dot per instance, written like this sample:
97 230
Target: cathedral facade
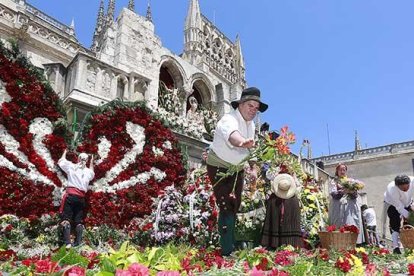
127 60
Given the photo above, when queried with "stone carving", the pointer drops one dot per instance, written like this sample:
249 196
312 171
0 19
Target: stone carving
23 19
143 84
106 84
52 37
50 73
7 14
91 79
21 33
193 115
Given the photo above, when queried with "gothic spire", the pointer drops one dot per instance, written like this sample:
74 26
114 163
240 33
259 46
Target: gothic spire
131 5
239 52
309 157
193 19
149 14
111 11
357 143
72 26
99 25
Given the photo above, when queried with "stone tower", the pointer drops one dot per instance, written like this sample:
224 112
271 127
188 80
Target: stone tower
207 48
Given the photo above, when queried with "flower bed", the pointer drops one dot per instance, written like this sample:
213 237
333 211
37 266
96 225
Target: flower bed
137 158
185 260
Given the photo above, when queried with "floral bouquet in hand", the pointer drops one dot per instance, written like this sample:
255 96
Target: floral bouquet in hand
351 186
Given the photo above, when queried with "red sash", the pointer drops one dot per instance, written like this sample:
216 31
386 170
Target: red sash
70 191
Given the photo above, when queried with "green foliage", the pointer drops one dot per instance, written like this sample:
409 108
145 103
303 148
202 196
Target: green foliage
102 234
10 268
302 267
410 219
14 230
69 257
155 258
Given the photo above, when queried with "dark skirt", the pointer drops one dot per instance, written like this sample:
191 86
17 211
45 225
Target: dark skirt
282 229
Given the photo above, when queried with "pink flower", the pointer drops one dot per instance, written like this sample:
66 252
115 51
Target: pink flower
370 270
256 272
75 271
138 269
120 272
46 266
168 273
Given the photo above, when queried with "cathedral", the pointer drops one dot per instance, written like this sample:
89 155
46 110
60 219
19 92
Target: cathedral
127 61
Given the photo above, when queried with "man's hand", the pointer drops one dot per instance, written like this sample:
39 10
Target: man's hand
64 154
412 207
91 162
247 144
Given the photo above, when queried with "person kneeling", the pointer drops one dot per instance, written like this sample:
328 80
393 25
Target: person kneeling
282 222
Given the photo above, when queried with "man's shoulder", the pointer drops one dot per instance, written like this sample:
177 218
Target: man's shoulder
66 162
391 186
228 117
230 114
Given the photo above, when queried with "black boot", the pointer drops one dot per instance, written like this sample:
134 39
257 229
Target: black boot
226 223
79 233
66 234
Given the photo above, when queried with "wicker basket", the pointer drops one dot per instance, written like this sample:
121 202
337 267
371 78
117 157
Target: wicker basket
338 240
407 236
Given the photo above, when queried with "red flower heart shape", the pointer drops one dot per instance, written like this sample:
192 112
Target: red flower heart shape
136 156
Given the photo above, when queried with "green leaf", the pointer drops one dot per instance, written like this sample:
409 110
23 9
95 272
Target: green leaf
160 267
134 258
104 273
107 265
152 253
124 247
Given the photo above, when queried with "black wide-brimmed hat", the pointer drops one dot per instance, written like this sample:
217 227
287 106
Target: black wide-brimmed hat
250 94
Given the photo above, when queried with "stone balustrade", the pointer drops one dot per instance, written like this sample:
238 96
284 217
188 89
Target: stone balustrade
366 153
55 23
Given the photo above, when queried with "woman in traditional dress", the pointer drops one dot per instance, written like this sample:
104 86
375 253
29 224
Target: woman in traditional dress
345 205
282 222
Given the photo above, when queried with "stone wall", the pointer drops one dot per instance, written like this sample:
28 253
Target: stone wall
376 167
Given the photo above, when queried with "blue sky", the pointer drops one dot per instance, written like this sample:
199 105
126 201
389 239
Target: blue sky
342 65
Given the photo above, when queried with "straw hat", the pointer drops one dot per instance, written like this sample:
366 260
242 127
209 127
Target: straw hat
284 186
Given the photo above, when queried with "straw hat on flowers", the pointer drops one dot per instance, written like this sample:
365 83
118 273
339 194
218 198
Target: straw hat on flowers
284 186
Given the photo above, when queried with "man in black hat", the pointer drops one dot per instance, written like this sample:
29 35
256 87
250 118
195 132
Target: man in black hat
233 138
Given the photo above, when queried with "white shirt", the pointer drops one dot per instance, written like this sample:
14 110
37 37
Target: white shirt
230 122
77 177
369 217
399 199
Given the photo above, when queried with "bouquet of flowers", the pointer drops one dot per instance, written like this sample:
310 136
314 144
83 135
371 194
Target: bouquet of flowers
314 211
351 187
350 184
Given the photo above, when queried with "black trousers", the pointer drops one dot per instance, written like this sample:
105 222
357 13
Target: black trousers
223 187
395 218
74 209
228 204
